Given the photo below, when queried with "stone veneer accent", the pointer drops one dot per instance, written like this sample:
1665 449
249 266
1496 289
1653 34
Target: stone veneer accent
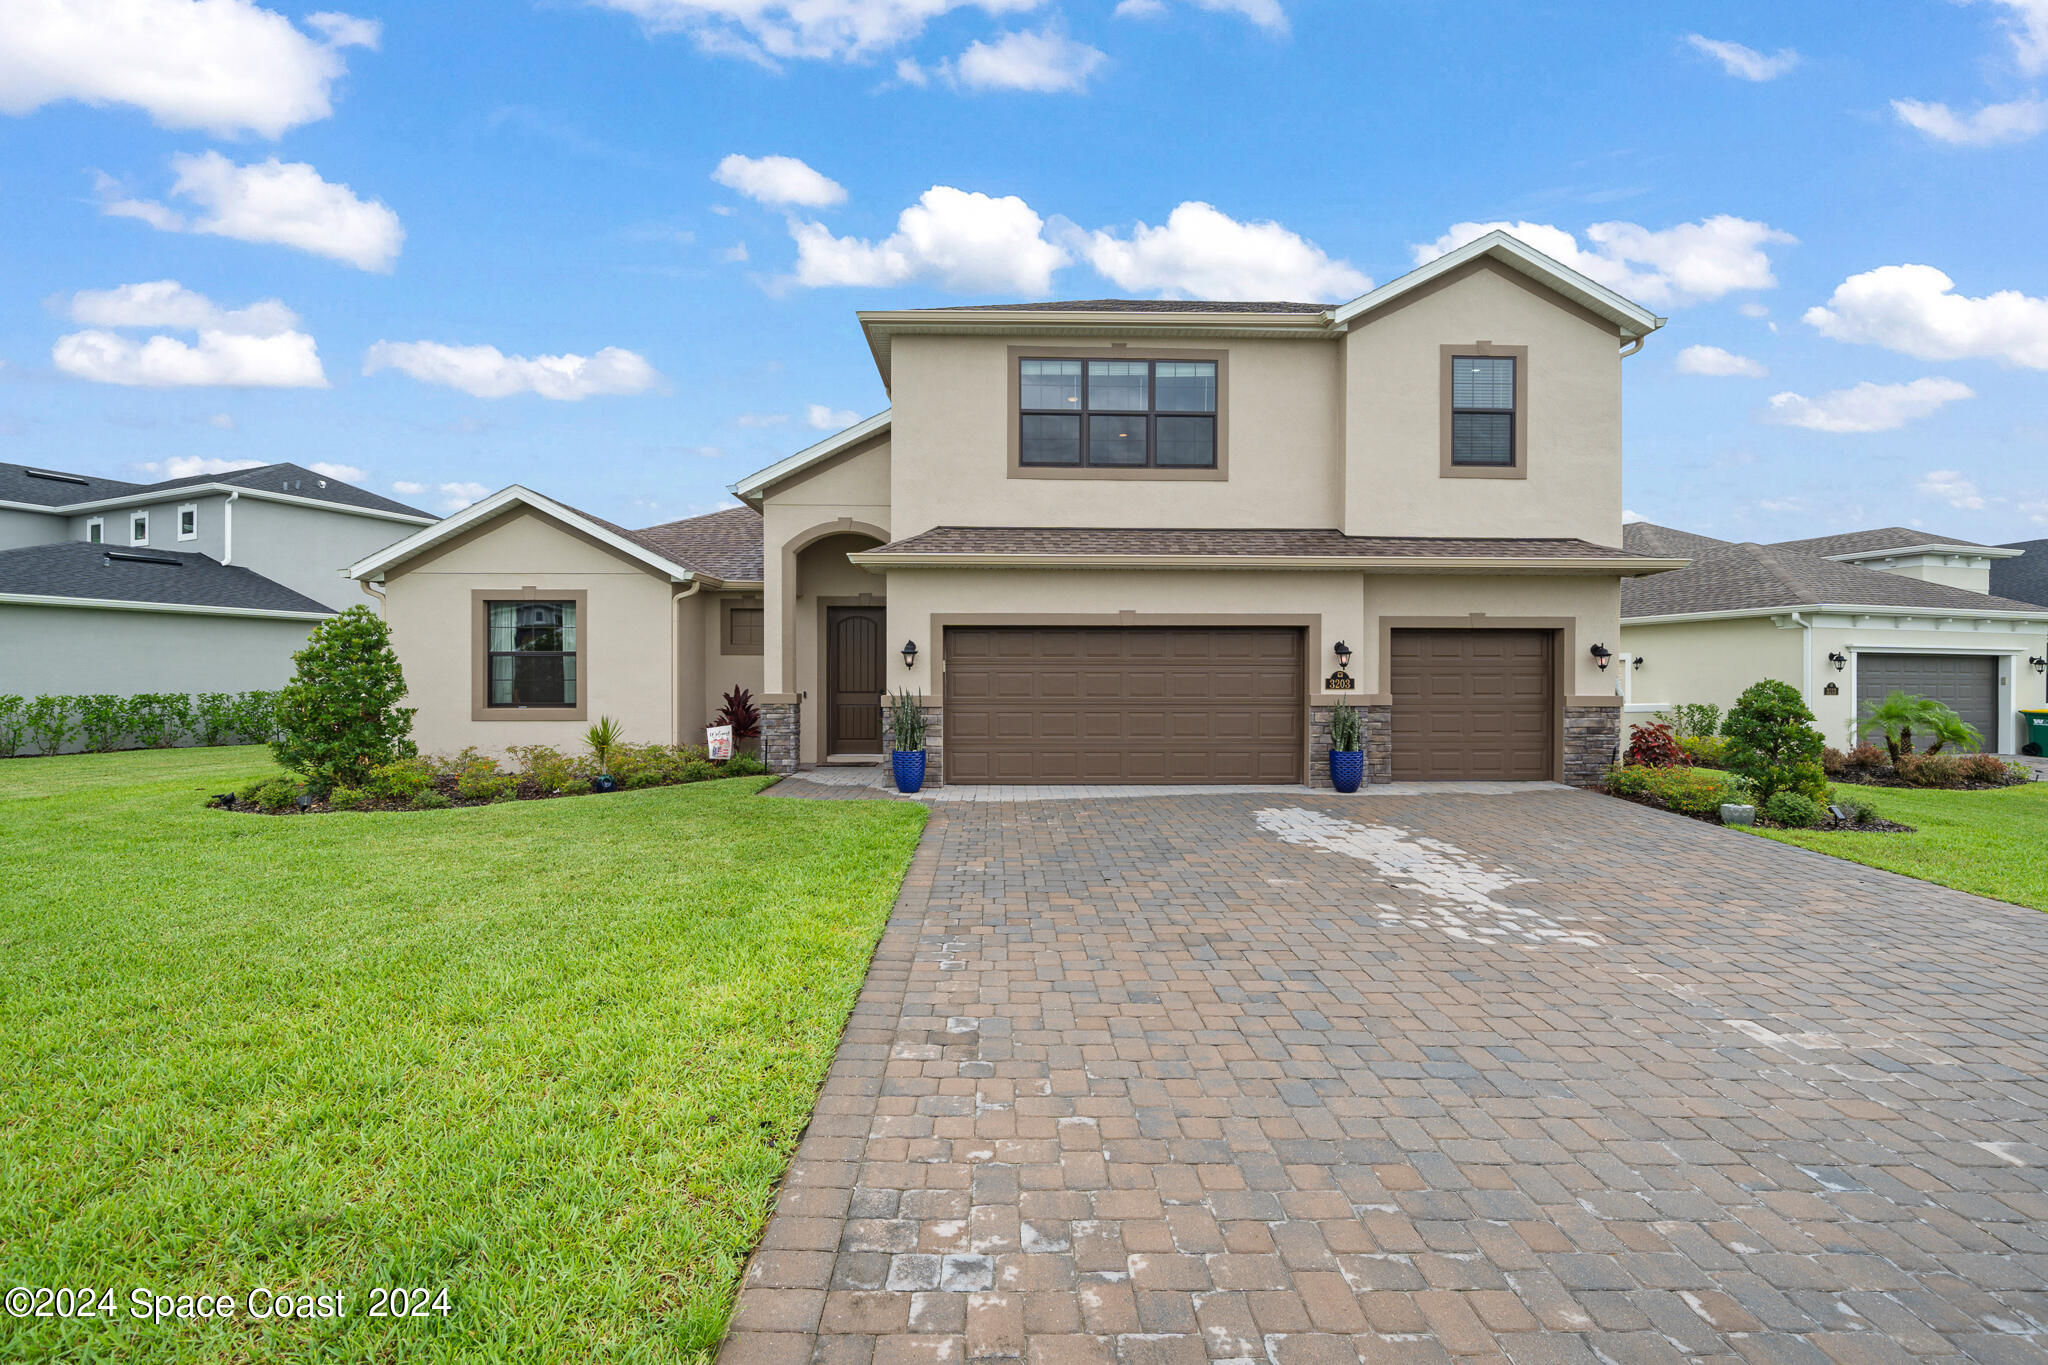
1592 739
934 741
781 735
1377 724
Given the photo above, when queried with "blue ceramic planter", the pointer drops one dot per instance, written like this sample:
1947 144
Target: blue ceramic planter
909 767
1347 769
604 782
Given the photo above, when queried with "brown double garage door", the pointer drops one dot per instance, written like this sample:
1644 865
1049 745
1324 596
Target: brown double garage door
1226 704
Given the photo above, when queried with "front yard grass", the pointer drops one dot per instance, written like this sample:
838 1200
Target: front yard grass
1993 843
550 1055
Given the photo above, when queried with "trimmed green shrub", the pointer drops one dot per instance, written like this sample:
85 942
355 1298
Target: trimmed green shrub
645 777
745 765
1992 770
1929 770
399 781
213 717
1693 720
247 791
575 786
49 723
345 798
102 721
483 782
1708 751
1772 742
279 793
430 800
157 720
255 717
1625 781
13 723
1855 809
339 716
1692 791
544 767
702 770
1793 811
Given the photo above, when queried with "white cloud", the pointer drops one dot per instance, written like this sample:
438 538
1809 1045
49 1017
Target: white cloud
1868 406
760 419
772 30
1689 263
1949 486
968 243
221 421
1914 310
286 203
449 497
2027 26
226 66
1994 123
1712 360
736 254
1266 14
778 180
255 347
1753 310
823 418
1204 253
1047 62
487 372
910 73
192 466
347 473
1745 63
1628 516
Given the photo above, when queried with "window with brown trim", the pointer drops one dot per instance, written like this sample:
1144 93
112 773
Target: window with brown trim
1116 413
1485 411
746 629
532 654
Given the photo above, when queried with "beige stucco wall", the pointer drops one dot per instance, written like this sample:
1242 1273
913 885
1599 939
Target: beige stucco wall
1969 574
953 416
824 573
1591 605
1712 661
630 644
714 673
844 494
1394 484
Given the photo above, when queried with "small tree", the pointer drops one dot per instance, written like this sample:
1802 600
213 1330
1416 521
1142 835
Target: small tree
1772 742
339 715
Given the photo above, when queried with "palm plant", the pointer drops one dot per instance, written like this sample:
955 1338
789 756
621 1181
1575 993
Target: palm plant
602 738
1901 713
1949 728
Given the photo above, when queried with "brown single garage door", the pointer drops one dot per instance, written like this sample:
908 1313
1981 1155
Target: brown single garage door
1475 704
1107 704
1968 683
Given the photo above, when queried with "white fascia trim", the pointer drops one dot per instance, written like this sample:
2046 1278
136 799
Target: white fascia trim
1932 614
30 599
1914 551
754 484
1620 568
374 565
1634 319
186 490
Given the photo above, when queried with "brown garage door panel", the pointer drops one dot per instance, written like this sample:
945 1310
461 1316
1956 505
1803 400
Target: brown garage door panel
1967 683
1474 704
1088 704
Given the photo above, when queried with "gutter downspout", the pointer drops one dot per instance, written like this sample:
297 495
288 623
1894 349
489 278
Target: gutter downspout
675 616
371 590
1805 658
227 528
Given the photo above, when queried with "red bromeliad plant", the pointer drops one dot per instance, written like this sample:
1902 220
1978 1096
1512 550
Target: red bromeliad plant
1653 746
740 713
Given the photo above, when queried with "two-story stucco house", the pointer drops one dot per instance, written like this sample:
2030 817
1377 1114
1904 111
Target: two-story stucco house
1110 541
207 583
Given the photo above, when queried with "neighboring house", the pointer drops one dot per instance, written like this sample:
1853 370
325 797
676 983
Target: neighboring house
1845 618
203 584
2024 576
1111 541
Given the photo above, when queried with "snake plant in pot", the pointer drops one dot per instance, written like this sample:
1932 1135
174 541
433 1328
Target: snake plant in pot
1347 748
906 741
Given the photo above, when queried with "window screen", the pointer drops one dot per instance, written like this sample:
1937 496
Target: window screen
1483 410
533 653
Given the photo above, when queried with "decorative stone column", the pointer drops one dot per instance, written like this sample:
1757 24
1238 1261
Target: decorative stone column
934 739
1592 742
1376 733
781 735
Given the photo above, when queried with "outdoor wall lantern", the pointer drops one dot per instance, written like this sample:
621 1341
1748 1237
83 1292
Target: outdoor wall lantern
2040 665
1840 661
1638 661
910 654
1343 653
1601 654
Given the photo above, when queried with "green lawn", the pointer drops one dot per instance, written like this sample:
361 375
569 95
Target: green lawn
550 1055
1993 843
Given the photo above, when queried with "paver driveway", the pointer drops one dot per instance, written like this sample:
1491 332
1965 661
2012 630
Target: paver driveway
1305 1079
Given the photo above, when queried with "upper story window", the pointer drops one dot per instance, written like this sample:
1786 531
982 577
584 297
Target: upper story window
532 653
1116 414
1483 410
188 521
95 530
138 528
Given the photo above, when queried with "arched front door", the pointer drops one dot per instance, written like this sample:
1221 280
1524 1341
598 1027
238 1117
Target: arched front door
854 680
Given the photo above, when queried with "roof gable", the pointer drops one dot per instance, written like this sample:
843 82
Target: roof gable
752 488
1732 578
1880 541
1631 320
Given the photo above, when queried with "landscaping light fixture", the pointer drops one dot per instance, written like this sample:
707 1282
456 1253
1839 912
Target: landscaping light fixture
305 800
910 654
1840 661
1601 654
1343 653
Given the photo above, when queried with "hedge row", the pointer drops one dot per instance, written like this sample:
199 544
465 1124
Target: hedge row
102 722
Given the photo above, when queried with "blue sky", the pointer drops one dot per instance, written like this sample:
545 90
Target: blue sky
556 237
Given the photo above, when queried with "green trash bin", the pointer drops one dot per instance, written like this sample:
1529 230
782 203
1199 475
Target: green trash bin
2035 738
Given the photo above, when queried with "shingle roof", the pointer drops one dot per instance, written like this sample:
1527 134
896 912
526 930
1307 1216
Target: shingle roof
1861 542
18 485
722 544
2026 577
77 568
1648 538
1730 577
1225 542
1138 306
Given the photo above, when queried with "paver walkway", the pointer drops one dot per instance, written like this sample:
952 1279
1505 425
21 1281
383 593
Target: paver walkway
1301 1079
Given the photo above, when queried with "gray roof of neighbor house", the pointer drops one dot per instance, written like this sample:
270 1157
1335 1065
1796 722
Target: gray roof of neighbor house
1648 538
24 483
1725 576
2025 577
722 544
1867 542
78 568
1314 542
